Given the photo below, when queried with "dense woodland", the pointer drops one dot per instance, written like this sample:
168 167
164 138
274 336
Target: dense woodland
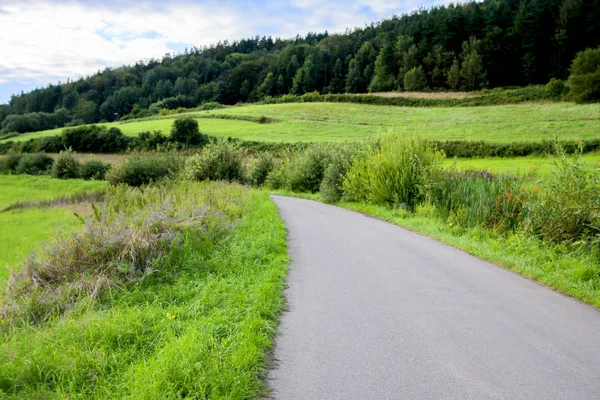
468 46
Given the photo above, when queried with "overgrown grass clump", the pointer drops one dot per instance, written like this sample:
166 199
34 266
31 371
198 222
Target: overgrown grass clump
172 291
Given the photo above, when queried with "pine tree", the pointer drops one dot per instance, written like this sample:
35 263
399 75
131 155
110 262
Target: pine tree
454 75
383 79
472 65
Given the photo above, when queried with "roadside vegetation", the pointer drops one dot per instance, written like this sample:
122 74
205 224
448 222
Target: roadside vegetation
172 291
547 229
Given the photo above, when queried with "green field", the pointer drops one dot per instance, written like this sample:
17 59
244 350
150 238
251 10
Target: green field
541 167
31 189
22 231
331 122
26 229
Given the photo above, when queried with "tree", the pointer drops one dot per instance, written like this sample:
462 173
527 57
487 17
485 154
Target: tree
185 131
454 75
269 86
584 80
337 83
415 80
472 65
438 61
86 110
305 79
383 79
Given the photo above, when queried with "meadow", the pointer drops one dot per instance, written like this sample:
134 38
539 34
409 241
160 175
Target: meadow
534 167
339 122
24 229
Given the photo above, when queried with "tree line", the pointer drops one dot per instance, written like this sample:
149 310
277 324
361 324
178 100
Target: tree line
467 46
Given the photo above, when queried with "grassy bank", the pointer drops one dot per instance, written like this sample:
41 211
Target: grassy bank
196 326
338 122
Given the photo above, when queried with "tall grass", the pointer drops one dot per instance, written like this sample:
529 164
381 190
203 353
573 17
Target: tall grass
193 320
393 172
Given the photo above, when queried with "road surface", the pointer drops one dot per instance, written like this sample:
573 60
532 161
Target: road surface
379 312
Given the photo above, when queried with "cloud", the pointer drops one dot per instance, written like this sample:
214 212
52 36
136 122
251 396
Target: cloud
46 41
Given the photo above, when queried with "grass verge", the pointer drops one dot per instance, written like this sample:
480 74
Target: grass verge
198 327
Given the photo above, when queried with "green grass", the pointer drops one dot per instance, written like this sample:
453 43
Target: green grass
200 330
334 122
27 188
22 231
539 167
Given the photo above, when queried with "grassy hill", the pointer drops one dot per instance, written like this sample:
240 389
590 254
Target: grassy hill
336 122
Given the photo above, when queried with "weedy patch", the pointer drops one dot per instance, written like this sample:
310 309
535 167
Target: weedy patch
169 291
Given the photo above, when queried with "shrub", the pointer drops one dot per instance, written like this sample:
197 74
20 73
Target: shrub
220 160
276 178
305 172
95 138
10 162
143 168
66 166
392 173
261 169
556 88
34 164
584 80
185 131
567 208
150 140
94 169
331 188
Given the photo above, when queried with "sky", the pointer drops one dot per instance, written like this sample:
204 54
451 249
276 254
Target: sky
44 41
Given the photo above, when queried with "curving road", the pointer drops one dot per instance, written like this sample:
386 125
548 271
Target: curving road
378 312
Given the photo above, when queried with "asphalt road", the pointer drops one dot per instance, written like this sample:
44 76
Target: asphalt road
378 312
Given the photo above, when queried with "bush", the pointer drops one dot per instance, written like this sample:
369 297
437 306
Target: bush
95 139
331 188
220 160
66 166
94 169
305 172
10 162
143 168
567 208
584 80
261 169
34 164
556 88
185 131
392 173
276 178
150 140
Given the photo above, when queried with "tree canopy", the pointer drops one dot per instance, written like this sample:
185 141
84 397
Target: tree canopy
464 46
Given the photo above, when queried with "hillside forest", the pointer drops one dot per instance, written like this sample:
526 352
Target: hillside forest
487 44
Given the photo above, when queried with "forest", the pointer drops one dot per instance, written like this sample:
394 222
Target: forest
487 44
